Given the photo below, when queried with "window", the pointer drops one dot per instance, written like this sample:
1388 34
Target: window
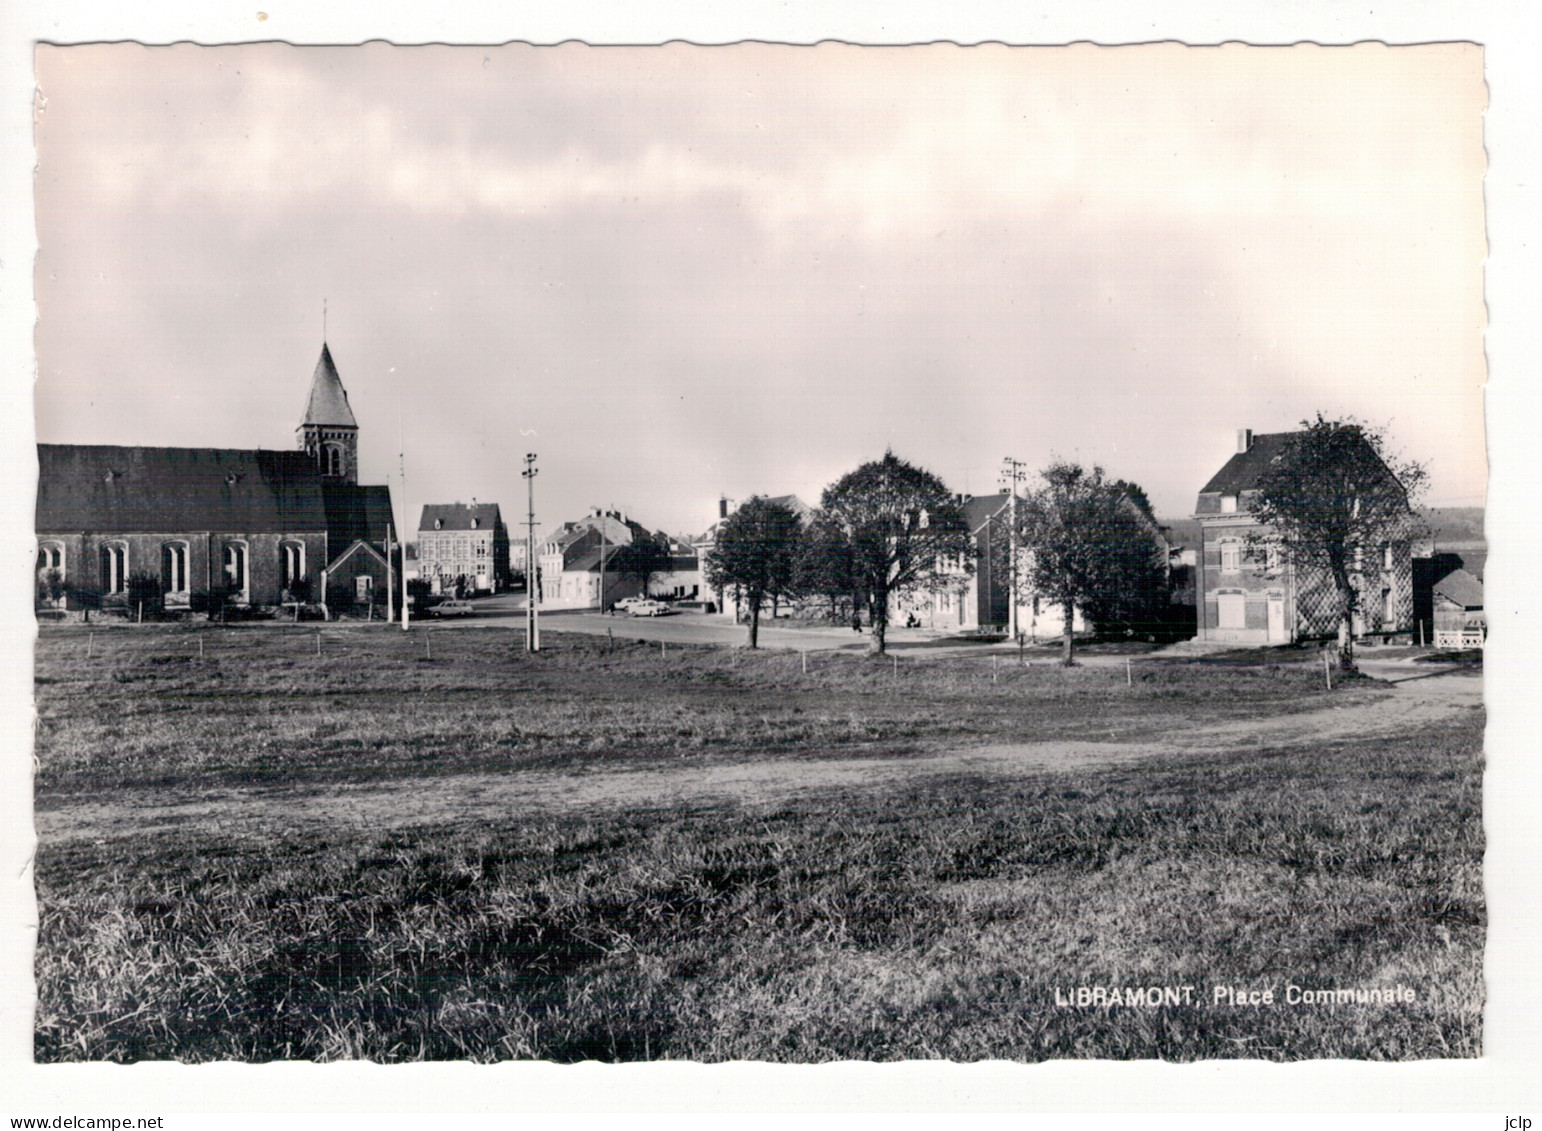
1386 557
1272 556
50 573
174 568
1231 610
291 562
235 567
50 555
332 459
114 567
1228 504
1231 557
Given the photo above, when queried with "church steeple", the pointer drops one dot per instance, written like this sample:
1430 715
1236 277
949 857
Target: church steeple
329 432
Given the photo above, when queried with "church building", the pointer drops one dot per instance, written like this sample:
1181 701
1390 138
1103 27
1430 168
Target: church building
192 528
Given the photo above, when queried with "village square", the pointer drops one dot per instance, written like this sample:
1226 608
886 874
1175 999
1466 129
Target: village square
758 554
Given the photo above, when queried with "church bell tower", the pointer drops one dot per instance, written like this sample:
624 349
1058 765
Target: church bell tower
329 432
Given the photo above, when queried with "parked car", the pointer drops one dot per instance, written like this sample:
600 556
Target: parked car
647 608
626 603
452 608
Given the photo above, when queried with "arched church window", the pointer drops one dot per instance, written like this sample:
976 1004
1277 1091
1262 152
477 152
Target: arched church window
114 565
291 563
50 555
235 568
174 567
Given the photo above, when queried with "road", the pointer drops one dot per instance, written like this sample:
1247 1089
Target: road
687 627
693 627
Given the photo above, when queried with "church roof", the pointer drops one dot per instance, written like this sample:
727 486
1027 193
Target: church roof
356 511
328 404
166 490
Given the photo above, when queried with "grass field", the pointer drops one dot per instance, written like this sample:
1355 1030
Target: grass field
934 911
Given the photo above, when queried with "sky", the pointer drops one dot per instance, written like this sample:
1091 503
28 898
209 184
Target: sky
679 273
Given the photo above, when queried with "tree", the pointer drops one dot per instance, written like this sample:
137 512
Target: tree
1333 501
1090 545
756 552
144 595
641 559
824 565
50 587
902 527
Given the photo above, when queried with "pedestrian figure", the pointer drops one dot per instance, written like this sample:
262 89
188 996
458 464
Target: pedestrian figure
856 622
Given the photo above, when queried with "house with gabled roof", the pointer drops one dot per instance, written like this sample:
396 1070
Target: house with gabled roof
704 543
575 562
1460 621
976 596
230 525
463 546
1248 592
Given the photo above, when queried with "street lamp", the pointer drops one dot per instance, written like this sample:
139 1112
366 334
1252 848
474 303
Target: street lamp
532 625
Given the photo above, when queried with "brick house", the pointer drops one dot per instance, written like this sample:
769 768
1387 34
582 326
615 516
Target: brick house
1248 592
252 528
463 543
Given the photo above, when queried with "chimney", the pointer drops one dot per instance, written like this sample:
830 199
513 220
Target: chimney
1244 439
722 506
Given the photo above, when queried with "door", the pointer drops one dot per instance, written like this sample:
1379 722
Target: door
1277 620
362 587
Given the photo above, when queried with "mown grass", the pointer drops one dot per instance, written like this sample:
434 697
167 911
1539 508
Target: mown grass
926 922
930 919
148 708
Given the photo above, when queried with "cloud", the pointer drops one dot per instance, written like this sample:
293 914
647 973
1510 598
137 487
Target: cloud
722 269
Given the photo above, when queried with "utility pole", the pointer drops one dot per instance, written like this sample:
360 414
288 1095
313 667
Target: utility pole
602 559
1013 472
532 625
401 457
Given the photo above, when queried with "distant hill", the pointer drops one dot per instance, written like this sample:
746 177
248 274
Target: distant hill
1449 526
1181 531
1455 524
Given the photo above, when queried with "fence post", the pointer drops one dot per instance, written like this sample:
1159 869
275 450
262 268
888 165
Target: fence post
90 640
1128 682
805 662
1327 674
318 642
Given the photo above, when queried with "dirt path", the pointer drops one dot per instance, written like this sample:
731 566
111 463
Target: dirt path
490 796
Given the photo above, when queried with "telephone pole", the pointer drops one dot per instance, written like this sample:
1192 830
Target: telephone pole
1013 472
532 625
